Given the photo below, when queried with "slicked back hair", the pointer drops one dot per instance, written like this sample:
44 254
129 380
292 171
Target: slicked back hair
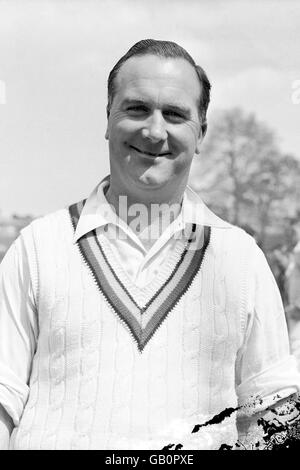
169 50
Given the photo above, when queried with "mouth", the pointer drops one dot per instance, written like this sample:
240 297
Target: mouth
151 154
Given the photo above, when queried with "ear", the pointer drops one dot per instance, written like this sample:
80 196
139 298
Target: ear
106 133
202 133
107 115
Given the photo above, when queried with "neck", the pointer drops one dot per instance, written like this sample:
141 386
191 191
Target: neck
148 209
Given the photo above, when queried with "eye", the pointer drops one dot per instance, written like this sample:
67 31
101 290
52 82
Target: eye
136 110
174 116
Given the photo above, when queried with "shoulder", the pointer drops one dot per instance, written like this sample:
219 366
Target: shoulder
52 225
233 239
239 255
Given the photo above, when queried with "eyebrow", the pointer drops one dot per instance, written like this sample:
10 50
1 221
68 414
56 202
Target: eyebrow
178 107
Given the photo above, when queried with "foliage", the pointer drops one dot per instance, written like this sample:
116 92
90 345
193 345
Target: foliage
246 179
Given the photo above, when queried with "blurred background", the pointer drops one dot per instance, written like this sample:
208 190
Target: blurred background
55 57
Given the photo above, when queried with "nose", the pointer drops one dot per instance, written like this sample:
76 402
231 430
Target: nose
155 128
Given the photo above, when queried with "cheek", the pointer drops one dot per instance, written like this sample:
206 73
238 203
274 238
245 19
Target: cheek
187 139
120 124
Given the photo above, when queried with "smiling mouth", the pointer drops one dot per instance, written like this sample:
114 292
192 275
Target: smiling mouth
144 152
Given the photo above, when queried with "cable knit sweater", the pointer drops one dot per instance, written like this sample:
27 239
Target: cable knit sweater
117 367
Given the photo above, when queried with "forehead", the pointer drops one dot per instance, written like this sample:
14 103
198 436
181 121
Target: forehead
152 76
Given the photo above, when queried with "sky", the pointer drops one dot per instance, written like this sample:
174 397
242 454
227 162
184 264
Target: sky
55 57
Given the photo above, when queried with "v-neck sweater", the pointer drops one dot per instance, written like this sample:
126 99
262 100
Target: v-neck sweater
110 374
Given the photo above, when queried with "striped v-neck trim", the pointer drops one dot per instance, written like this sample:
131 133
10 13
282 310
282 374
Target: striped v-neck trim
141 320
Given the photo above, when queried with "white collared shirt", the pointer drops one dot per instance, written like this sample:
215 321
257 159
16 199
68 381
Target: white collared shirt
141 264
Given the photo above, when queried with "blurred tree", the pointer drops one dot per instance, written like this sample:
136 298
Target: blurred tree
244 177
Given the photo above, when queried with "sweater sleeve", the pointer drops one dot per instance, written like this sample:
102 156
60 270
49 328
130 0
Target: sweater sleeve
18 329
265 369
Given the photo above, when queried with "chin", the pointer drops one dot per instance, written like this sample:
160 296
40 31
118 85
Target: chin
152 181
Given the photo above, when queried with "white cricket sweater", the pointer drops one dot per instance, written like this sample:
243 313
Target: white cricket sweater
92 387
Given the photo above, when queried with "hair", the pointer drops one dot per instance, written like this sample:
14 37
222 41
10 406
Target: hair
166 49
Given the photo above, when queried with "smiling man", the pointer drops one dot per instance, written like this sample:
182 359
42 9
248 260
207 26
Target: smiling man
154 128
131 317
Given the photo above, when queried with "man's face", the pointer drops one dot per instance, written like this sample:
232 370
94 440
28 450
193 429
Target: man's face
154 128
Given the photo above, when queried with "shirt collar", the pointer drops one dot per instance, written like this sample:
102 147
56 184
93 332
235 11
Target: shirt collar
195 211
98 212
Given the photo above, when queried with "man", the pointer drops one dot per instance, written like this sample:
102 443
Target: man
137 314
293 293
